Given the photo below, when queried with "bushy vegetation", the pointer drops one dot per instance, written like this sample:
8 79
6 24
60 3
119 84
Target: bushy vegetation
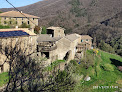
106 47
76 8
54 64
2 27
44 30
117 45
102 73
36 29
100 69
3 78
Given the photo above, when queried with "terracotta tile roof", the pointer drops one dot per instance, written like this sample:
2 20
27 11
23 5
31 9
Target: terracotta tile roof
16 14
55 28
86 37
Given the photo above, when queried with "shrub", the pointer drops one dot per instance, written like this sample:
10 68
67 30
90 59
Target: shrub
61 76
36 29
88 61
44 30
108 67
106 47
73 62
2 27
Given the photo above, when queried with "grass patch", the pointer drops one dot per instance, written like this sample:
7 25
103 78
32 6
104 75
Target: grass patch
54 64
4 78
108 67
103 73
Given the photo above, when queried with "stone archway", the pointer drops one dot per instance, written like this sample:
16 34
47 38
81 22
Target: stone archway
67 55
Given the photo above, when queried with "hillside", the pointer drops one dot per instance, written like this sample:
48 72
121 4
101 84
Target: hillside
73 15
103 70
92 17
72 12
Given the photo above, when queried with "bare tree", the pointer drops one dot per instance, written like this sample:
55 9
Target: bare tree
25 73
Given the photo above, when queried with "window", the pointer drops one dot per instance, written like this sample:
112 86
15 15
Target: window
33 18
22 22
4 22
22 18
10 22
2 68
87 40
46 54
5 18
81 40
28 22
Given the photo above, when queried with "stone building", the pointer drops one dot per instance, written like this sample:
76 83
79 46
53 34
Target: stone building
56 31
56 46
22 38
85 43
16 18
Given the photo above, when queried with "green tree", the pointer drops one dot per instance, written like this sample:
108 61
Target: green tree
116 43
106 47
44 30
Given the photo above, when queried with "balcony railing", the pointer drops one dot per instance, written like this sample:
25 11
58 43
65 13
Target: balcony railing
46 48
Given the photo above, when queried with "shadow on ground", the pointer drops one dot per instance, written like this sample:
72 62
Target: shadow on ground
116 62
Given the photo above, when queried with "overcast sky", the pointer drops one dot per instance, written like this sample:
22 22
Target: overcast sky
16 3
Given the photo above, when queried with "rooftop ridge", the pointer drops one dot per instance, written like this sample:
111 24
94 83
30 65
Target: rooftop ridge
17 14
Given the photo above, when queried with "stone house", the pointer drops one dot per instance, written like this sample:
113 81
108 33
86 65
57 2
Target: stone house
56 31
55 45
16 18
85 43
22 38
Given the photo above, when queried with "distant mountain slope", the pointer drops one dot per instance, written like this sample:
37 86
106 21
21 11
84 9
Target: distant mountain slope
98 18
72 13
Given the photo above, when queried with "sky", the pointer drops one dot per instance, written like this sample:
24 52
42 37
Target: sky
16 3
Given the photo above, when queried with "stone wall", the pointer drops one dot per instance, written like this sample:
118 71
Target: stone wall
18 21
59 33
27 44
64 46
